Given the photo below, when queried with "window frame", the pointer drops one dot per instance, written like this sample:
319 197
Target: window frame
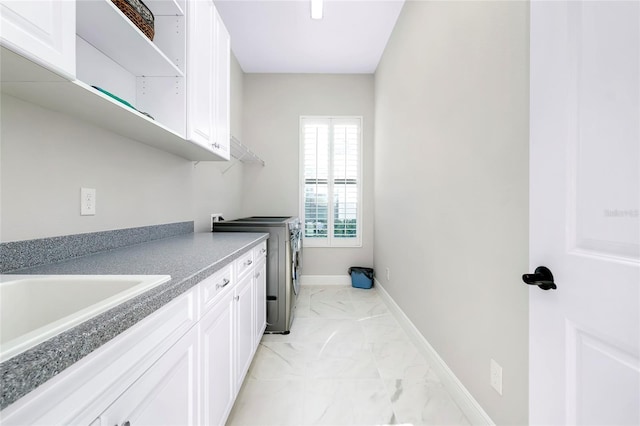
330 241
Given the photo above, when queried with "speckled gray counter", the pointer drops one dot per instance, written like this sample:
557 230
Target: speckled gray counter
41 251
187 258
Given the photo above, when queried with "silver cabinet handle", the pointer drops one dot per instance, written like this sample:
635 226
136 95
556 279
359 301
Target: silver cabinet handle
236 298
225 282
263 251
248 262
257 275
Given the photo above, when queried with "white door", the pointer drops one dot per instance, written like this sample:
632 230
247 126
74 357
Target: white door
584 212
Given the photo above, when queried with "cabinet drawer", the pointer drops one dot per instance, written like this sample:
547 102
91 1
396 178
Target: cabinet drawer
260 251
244 264
215 285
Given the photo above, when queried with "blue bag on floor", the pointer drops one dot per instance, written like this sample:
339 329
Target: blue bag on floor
361 277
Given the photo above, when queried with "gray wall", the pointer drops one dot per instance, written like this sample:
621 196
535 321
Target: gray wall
451 188
45 157
273 104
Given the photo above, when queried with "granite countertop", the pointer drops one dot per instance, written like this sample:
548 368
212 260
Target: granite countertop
188 258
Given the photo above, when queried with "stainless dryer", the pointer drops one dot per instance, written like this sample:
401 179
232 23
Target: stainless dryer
283 260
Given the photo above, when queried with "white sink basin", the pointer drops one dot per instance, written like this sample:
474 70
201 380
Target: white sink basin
34 308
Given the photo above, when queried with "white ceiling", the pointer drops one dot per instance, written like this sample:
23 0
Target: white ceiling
279 36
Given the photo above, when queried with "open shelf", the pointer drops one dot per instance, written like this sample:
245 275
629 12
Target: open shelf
112 53
82 101
164 7
105 27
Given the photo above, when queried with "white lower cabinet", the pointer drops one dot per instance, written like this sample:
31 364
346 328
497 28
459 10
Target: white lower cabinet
182 365
245 343
227 341
166 394
218 378
260 298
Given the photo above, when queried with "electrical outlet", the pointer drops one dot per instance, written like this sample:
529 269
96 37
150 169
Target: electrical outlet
87 201
496 376
388 275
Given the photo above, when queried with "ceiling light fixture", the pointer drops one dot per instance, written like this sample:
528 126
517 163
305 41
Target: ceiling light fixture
316 9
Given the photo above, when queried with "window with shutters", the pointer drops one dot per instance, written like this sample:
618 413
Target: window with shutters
331 186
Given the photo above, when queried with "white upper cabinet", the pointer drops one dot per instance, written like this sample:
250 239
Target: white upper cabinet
200 72
43 32
222 84
208 68
175 87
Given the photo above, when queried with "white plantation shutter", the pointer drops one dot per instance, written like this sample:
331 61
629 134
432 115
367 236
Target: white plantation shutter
346 154
331 182
316 179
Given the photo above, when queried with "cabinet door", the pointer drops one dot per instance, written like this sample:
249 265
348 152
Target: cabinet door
200 39
43 31
244 327
166 394
260 293
222 83
218 378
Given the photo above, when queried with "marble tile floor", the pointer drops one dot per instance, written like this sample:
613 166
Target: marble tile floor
346 362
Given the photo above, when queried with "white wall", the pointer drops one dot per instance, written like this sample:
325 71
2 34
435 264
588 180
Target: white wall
451 188
47 156
273 104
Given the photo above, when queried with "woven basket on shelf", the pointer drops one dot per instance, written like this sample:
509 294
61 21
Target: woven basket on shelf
139 14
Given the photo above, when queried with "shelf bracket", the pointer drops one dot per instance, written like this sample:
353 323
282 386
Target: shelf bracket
236 161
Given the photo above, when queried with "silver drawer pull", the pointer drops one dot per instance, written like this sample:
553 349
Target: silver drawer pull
248 262
225 282
263 251
257 275
236 298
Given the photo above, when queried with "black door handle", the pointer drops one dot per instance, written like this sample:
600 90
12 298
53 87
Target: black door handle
542 277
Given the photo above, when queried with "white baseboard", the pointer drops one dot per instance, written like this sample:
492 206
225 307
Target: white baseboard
325 280
466 402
